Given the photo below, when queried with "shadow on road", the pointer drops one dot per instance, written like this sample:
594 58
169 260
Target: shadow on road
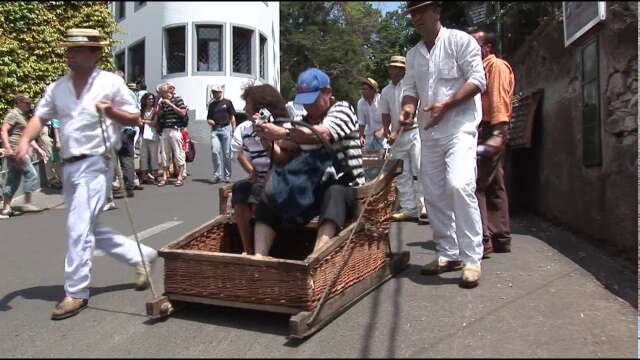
610 269
245 319
203 181
53 293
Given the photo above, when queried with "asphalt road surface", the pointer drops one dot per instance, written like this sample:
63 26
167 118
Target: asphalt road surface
553 296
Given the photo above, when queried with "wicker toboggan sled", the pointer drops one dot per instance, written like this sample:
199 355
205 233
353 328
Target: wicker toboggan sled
206 265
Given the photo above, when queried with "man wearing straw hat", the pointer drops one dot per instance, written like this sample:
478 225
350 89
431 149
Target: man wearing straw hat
445 72
369 119
406 145
76 99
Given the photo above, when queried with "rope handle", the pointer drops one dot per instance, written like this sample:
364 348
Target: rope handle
346 257
126 202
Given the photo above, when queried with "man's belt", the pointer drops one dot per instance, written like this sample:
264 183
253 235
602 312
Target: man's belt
76 158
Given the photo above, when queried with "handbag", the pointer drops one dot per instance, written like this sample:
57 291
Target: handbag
296 188
189 146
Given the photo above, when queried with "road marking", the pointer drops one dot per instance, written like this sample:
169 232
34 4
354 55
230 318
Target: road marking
145 234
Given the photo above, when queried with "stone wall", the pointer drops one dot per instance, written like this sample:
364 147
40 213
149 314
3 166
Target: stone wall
550 178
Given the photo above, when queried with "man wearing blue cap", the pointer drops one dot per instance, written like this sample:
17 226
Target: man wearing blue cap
337 124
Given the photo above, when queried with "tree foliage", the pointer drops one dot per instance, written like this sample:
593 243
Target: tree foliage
348 40
30 36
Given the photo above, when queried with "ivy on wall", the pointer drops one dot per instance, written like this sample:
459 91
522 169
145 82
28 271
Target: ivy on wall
31 33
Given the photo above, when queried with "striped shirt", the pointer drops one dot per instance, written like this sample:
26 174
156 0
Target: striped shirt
245 140
342 122
167 118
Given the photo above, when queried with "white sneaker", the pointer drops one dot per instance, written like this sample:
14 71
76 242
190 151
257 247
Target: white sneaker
141 279
109 206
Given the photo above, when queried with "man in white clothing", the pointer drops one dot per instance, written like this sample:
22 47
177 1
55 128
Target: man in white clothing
369 117
445 72
405 145
76 99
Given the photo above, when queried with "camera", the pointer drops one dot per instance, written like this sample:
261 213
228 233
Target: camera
264 116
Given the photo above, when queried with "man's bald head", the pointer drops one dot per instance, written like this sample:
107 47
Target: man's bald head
487 42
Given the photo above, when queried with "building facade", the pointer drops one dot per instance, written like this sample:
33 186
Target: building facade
197 45
582 169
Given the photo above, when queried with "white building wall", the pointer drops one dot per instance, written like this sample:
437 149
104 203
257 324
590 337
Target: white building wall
149 21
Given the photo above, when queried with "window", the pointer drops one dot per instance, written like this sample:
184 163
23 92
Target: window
138 4
119 10
591 135
119 61
242 50
136 63
175 50
263 56
209 48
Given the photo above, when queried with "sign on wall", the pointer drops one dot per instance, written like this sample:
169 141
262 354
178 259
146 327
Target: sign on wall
579 17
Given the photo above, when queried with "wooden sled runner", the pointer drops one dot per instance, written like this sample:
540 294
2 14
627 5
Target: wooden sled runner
206 265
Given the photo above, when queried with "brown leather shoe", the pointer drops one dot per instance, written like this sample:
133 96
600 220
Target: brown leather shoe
440 265
488 248
502 247
68 307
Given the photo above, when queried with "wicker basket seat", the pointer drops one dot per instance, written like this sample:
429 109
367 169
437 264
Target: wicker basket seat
207 263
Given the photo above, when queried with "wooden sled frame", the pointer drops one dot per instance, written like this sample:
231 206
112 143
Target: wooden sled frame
300 326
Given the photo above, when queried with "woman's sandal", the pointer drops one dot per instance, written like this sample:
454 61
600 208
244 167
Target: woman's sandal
179 182
162 182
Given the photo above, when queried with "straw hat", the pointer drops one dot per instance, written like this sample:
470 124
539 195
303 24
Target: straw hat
398 61
411 5
370 82
84 37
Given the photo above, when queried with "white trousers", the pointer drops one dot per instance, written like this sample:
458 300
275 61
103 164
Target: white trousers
449 180
407 147
86 184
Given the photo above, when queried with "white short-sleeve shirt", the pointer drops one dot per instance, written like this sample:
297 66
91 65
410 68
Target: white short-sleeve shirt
245 140
369 115
391 102
80 130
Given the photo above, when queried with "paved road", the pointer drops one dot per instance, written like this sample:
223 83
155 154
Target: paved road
554 296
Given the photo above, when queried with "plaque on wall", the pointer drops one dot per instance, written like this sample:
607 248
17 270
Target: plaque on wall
579 17
523 115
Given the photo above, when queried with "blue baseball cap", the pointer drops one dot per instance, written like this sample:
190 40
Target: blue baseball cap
310 83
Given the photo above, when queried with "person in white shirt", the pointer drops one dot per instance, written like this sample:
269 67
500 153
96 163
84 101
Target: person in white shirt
369 117
254 155
76 99
445 72
405 146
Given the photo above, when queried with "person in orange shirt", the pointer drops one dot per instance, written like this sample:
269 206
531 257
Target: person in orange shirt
493 134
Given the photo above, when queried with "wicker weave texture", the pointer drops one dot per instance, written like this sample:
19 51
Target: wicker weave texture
236 282
271 286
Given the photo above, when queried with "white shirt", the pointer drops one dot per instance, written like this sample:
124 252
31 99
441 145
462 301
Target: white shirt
435 76
245 140
80 131
391 102
369 115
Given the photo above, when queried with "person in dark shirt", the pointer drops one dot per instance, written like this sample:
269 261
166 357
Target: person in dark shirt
222 119
172 117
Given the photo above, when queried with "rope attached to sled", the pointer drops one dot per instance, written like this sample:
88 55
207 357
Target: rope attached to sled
327 291
126 202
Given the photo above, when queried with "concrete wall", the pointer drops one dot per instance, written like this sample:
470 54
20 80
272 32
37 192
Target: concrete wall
149 20
550 178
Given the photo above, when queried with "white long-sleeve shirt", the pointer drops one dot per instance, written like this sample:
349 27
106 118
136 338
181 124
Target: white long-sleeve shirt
80 129
435 76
